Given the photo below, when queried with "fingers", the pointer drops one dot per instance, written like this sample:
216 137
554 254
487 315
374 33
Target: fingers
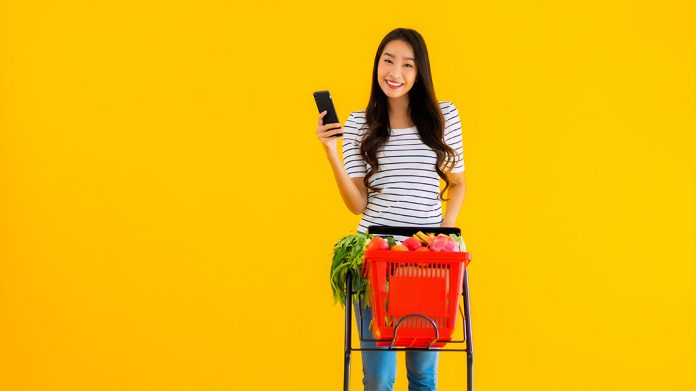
328 133
330 126
325 129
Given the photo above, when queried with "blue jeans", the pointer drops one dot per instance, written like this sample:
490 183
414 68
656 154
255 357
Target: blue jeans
379 368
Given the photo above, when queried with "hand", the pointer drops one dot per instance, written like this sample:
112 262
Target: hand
325 132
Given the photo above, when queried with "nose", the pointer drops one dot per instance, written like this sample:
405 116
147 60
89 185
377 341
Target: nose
396 76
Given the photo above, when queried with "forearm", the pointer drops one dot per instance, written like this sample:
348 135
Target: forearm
351 195
455 194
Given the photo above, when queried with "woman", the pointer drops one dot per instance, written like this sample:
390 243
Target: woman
395 153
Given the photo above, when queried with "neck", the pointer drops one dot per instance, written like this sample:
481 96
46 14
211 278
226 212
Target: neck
398 107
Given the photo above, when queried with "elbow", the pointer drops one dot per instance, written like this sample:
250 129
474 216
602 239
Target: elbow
358 209
457 180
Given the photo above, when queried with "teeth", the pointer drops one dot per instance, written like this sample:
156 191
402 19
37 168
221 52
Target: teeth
392 84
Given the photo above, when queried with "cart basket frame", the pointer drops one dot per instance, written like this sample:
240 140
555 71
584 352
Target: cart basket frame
465 312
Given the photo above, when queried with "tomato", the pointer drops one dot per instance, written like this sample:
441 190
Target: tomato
377 243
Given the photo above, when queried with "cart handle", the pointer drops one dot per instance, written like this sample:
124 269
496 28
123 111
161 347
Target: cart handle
409 230
432 322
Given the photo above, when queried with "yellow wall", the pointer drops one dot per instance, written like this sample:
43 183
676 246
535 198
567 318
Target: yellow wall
167 213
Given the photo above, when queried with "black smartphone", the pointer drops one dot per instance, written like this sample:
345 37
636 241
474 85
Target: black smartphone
324 102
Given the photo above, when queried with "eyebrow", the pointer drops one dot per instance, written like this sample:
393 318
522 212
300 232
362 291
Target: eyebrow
405 58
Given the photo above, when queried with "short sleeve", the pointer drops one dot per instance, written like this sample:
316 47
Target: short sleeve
352 161
453 135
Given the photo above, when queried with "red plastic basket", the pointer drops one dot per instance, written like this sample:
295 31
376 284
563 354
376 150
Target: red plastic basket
408 286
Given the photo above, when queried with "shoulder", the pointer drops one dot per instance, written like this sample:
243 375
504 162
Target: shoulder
356 121
354 126
447 107
451 114
357 117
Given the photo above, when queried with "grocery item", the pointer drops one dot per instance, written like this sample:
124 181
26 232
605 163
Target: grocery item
349 255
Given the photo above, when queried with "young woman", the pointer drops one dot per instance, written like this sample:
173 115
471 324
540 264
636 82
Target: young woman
394 154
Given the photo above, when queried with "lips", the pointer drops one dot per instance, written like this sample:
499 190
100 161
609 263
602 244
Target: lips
393 85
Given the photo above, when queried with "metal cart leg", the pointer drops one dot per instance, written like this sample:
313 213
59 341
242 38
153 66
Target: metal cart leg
348 329
467 330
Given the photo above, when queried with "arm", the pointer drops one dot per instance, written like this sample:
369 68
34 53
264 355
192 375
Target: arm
455 193
457 188
353 190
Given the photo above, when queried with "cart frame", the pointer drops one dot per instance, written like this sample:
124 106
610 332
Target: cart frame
465 313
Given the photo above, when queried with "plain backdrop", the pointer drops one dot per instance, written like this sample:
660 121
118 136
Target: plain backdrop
167 213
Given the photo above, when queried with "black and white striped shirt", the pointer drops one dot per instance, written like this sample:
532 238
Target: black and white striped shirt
410 185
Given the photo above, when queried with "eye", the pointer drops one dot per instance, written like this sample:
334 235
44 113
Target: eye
387 60
409 65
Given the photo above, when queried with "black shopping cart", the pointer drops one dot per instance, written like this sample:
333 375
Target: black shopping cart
431 274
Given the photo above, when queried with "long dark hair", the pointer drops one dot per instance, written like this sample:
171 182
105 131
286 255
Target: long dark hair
423 108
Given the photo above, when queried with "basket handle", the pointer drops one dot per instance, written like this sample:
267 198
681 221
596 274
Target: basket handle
386 230
432 322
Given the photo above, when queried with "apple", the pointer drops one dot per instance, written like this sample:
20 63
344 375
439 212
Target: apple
412 243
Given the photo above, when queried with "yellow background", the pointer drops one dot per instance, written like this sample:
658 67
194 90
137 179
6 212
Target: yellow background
167 213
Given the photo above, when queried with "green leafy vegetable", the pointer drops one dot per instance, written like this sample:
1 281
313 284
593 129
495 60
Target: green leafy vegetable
348 256
459 240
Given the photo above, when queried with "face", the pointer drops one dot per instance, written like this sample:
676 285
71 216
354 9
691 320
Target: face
396 71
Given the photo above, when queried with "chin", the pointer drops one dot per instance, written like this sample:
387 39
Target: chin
392 95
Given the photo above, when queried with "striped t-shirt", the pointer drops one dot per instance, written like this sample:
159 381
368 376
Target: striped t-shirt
410 185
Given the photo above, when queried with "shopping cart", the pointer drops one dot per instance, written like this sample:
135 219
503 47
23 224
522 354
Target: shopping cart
414 297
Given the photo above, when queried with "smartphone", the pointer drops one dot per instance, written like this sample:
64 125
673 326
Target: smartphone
324 102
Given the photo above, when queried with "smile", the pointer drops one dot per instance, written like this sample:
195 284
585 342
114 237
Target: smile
393 85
